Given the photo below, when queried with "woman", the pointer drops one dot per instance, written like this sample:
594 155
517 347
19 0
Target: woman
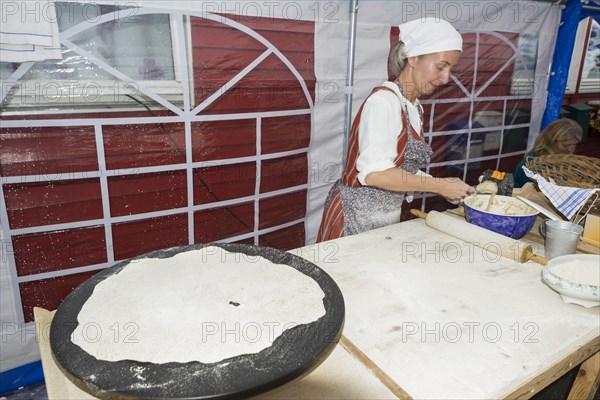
387 146
559 137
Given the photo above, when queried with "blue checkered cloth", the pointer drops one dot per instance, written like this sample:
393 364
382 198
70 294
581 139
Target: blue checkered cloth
568 200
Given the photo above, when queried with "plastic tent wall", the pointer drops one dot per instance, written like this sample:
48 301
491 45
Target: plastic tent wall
249 145
574 12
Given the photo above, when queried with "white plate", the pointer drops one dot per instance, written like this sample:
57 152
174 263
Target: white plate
587 295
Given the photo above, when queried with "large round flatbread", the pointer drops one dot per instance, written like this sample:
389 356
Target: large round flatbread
204 305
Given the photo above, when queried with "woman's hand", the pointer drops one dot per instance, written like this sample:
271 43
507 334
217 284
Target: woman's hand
454 189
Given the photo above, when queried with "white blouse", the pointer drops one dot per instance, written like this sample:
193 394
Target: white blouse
380 124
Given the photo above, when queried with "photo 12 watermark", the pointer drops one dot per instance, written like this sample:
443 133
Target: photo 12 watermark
472 11
468 332
458 251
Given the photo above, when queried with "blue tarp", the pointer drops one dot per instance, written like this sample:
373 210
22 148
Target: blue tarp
589 12
25 375
565 41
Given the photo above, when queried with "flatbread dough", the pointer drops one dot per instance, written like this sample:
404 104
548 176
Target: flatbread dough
579 272
501 205
204 305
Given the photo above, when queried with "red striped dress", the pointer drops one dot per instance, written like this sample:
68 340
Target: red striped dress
332 224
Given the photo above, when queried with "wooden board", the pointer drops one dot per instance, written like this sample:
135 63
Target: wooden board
340 376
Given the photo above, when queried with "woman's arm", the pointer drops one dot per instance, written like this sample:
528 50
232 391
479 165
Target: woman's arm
399 180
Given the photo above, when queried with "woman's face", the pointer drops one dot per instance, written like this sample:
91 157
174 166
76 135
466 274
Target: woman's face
566 146
433 70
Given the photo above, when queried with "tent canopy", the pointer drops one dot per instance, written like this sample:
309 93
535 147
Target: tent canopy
227 124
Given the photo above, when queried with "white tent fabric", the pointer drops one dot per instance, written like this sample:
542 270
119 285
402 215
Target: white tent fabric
29 31
17 342
331 49
372 47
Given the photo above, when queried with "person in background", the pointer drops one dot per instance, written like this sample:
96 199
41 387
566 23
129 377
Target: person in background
387 148
559 137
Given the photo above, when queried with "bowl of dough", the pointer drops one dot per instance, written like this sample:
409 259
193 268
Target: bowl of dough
506 215
576 277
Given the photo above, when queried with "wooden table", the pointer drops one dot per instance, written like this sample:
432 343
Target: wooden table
341 376
442 319
429 316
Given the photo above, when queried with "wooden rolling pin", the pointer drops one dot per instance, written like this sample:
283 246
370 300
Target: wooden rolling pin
481 237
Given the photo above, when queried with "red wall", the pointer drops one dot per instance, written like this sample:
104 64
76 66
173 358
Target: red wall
54 153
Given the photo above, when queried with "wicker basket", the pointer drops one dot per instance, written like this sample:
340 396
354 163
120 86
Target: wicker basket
570 170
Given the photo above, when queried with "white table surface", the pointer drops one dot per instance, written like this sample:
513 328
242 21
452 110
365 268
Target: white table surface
445 319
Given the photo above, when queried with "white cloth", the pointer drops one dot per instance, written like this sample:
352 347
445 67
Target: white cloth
29 31
429 35
378 131
568 200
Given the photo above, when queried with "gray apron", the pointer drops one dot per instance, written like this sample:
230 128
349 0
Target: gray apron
368 207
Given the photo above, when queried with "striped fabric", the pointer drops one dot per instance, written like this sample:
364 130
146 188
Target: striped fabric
568 200
29 31
332 224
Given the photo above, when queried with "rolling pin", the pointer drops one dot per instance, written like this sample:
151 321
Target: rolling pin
490 241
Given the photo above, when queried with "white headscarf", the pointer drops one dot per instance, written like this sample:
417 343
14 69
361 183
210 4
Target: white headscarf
429 35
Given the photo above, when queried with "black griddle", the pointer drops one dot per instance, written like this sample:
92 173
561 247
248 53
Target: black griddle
296 352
